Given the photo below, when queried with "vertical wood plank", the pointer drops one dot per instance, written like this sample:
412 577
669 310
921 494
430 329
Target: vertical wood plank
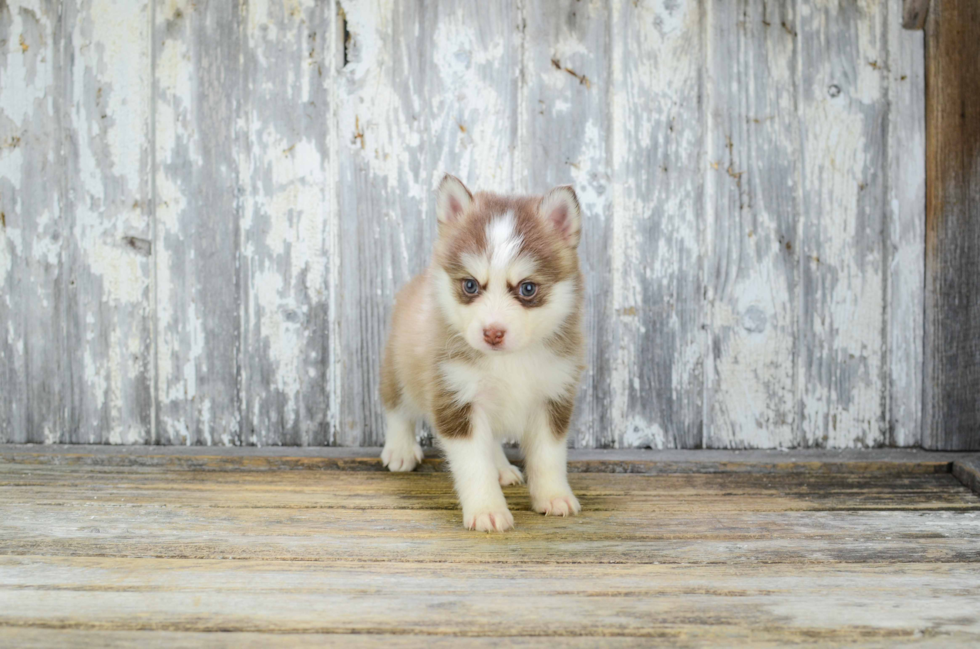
657 141
567 111
424 89
197 110
905 210
752 206
952 321
291 58
107 166
374 162
468 76
33 280
842 289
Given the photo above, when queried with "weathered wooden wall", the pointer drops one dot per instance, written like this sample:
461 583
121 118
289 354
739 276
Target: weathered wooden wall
206 208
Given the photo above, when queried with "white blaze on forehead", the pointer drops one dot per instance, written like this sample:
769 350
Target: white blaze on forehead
503 242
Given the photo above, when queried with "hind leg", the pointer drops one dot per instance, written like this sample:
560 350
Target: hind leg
401 451
509 474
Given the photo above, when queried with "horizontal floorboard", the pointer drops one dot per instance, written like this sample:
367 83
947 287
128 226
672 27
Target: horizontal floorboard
673 636
595 600
599 491
408 517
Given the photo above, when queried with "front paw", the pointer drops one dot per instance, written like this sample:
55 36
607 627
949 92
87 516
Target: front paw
561 504
492 520
401 457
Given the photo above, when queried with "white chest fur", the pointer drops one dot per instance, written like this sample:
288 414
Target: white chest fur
510 387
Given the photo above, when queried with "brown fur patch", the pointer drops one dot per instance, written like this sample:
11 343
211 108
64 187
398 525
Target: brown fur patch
468 234
560 416
556 259
452 419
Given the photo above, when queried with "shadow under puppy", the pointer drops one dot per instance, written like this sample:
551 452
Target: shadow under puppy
486 344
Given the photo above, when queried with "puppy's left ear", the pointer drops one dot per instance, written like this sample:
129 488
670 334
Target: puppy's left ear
560 209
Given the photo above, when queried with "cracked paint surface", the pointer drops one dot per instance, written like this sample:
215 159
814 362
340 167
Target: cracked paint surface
205 211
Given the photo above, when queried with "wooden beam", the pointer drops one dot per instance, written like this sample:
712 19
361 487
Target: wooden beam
914 14
952 322
636 461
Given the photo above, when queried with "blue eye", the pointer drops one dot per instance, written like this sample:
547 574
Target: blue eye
528 289
470 287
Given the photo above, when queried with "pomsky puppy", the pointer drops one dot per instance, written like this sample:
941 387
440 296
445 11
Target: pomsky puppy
486 345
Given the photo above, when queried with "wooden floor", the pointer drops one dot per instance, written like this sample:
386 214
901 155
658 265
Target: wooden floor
293 548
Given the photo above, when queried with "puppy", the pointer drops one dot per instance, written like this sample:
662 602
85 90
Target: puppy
486 344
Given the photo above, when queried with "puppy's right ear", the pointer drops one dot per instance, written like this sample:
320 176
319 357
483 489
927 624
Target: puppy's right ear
452 200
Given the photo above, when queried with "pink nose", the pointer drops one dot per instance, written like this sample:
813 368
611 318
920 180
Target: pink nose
494 336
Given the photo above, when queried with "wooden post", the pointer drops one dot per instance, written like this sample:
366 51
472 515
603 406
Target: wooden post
952 323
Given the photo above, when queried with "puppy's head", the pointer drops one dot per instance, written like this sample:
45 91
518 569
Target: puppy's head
506 268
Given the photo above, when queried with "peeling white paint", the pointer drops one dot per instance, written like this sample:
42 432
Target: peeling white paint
109 112
324 172
375 123
463 55
25 67
656 246
640 433
751 243
906 236
841 357
32 351
172 76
